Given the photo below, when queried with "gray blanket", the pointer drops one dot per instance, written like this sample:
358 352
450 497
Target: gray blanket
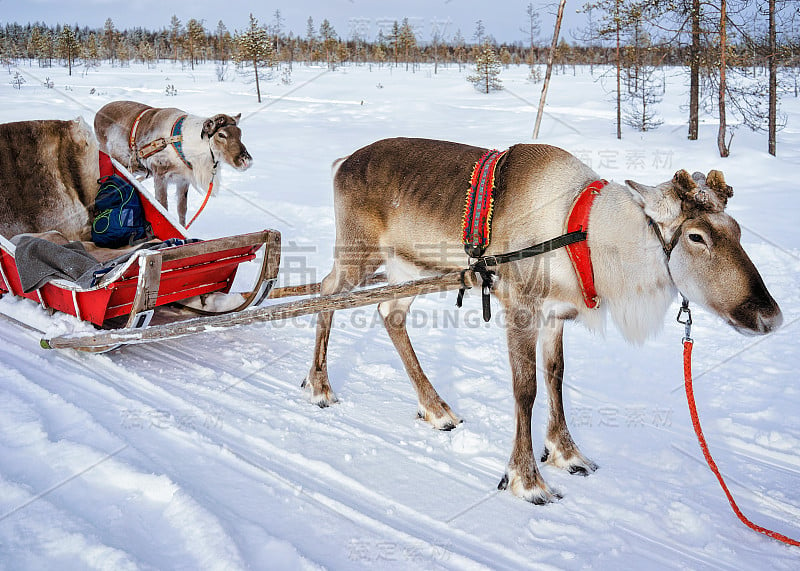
40 261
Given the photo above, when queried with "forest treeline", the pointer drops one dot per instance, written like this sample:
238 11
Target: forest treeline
740 55
405 42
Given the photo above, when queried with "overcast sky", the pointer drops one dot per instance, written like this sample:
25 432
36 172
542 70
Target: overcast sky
503 19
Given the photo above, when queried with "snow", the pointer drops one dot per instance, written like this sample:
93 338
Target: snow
202 452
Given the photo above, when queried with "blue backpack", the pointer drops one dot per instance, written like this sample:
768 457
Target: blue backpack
119 217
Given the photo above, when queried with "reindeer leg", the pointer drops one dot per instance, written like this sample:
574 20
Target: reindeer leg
160 183
432 408
343 277
182 196
522 476
559 448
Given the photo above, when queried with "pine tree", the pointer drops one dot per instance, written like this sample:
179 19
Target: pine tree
222 43
34 44
407 40
175 35
195 38
68 46
255 48
394 40
145 52
329 42
487 70
109 37
311 38
459 49
91 50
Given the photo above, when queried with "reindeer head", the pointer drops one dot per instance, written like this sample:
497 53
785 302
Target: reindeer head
704 254
225 138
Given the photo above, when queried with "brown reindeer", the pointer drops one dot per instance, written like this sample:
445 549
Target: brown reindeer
394 197
48 177
192 160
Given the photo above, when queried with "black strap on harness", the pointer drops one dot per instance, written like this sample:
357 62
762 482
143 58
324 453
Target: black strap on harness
482 265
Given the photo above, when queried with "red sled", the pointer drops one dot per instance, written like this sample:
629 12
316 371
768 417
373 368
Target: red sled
153 278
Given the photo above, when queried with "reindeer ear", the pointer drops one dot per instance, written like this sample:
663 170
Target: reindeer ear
640 192
716 182
208 129
658 202
236 118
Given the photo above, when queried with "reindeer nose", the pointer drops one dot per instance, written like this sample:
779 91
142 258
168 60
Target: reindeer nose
768 322
245 160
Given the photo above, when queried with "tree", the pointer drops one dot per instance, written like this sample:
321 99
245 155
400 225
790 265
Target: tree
694 72
480 32
407 40
459 49
773 81
91 51
533 32
724 148
175 36
145 52
437 36
255 48
311 38
394 41
487 70
68 46
329 42
222 43
109 39
277 29
550 58
195 38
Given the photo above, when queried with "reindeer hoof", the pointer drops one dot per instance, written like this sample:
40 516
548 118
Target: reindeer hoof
443 419
322 397
576 463
538 494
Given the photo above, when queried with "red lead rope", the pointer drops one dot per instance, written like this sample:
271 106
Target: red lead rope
687 373
202 206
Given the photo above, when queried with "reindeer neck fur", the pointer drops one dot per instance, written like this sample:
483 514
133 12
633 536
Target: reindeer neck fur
198 153
631 272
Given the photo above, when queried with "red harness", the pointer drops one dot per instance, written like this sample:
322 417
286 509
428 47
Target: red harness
574 239
579 254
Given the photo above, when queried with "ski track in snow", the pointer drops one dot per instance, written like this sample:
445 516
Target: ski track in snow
202 452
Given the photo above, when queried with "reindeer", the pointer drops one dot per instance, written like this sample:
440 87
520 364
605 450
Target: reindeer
170 144
646 242
48 177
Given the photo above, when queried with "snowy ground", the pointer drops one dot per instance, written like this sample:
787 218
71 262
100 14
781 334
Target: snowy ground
203 453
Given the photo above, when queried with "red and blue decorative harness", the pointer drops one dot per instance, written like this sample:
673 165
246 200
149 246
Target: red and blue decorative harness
175 139
477 233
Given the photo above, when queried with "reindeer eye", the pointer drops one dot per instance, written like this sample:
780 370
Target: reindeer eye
222 135
696 238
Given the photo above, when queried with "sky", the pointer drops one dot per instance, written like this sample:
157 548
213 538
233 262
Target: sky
503 20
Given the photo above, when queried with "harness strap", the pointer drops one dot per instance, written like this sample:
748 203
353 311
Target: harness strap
177 139
579 254
476 223
134 128
481 265
156 146
664 245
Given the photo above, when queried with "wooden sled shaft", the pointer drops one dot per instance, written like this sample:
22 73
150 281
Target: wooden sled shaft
346 300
